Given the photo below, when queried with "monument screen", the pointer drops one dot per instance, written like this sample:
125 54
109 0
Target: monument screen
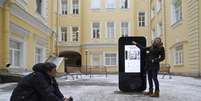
132 59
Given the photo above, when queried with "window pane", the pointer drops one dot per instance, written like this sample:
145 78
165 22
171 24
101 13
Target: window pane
124 4
75 33
17 58
75 7
64 7
110 27
110 3
95 4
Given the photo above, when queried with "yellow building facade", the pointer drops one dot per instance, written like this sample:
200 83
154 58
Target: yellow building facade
177 22
26 37
88 31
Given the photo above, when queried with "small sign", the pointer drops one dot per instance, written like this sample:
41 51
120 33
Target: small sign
132 59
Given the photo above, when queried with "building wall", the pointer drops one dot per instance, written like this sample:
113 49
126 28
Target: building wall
176 34
103 15
25 25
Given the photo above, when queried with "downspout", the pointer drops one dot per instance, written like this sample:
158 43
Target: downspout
165 37
57 26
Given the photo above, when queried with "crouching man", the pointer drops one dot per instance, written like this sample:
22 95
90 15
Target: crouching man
39 85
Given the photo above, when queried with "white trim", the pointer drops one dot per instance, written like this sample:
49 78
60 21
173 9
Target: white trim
28 18
14 28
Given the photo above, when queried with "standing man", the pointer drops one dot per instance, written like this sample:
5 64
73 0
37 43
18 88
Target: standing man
155 54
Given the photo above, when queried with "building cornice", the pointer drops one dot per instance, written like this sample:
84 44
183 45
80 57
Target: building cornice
14 28
33 21
101 45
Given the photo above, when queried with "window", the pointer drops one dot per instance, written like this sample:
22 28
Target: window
124 28
75 34
39 6
64 7
159 28
96 60
96 30
95 4
141 19
152 13
176 11
39 55
110 59
124 4
64 34
154 34
178 59
15 53
110 4
75 7
158 5
110 30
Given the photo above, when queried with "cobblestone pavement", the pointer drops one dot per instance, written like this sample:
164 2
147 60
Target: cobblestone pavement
100 88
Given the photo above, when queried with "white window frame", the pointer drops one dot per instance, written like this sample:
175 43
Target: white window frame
64 36
158 5
122 4
176 12
152 13
76 36
42 54
123 29
98 35
43 8
64 10
108 34
178 55
95 4
159 28
110 59
140 21
22 55
109 6
98 55
75 7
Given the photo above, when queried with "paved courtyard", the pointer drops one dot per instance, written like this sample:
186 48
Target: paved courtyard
100 88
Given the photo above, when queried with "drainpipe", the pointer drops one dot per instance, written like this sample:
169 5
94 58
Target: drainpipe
6 31
165 37
57 26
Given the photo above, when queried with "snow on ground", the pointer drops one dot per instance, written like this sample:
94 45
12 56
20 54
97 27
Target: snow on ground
100 88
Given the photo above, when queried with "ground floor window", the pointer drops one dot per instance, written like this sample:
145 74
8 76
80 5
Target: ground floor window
96 60
110 59
15 53
178 55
